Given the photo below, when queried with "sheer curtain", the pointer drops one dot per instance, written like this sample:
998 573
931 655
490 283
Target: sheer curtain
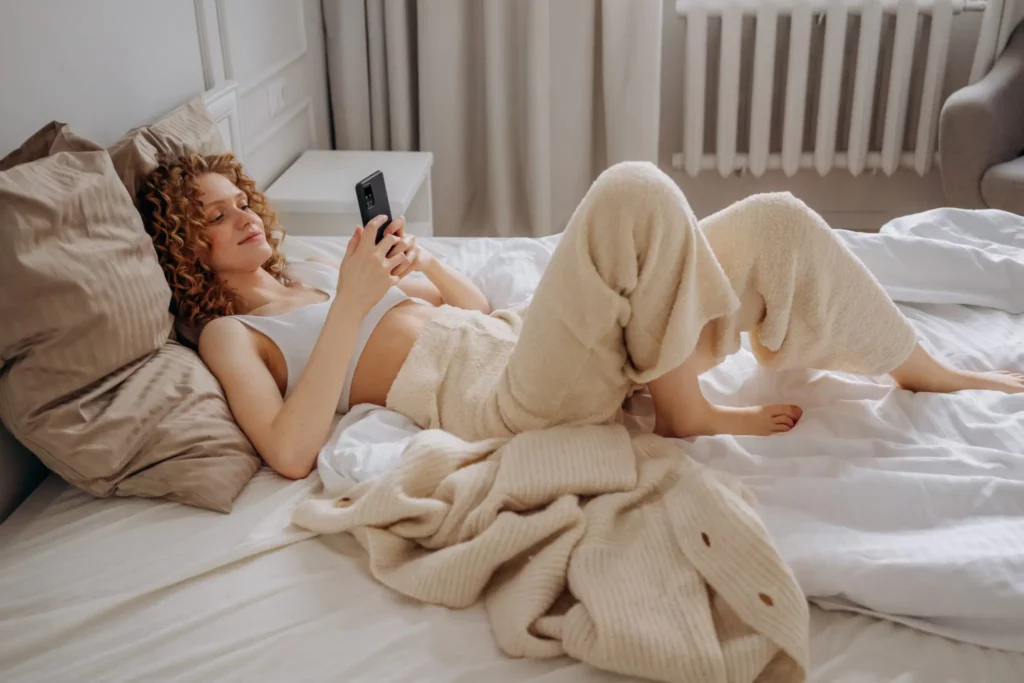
521 102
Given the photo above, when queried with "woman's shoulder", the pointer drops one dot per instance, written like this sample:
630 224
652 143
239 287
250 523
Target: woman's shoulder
218 327
225 335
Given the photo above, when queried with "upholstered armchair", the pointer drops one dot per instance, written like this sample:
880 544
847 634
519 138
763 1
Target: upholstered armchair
981 136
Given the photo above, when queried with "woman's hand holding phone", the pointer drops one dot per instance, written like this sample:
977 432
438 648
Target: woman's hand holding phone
368 269
417 258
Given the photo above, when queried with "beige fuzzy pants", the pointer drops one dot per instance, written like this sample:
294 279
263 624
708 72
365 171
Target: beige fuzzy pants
633 286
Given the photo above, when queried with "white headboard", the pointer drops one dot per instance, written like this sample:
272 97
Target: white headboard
223 105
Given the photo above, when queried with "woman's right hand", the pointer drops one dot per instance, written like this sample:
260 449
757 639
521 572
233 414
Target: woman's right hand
366 273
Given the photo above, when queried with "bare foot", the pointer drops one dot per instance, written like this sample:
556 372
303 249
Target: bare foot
960 380
922 372
752 421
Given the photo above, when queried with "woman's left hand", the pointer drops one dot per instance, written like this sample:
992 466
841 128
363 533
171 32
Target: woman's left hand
416 257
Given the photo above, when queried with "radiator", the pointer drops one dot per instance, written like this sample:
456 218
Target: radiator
858 60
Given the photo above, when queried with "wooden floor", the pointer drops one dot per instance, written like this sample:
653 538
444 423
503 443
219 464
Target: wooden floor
864 202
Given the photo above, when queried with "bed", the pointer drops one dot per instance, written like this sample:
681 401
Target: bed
133 589
884 503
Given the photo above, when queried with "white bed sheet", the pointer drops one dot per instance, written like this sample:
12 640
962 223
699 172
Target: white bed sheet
135 590
142 590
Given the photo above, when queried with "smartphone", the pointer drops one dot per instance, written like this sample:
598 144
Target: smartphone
372 197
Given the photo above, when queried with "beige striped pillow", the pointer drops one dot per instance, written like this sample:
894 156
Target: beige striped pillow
88 379
189 128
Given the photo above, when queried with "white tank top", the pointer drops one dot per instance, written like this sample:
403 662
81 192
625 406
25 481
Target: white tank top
295 332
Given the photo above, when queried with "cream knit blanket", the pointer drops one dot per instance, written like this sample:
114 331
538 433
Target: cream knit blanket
617 550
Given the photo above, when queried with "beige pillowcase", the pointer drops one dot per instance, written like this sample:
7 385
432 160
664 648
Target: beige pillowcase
189 128
52 138
88 379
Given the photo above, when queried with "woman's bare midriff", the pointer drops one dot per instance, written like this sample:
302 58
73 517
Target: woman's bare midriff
386 350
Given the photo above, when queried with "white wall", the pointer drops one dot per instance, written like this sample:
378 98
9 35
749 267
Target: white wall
101 66
104 66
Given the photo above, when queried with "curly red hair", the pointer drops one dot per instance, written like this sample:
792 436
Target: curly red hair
174 219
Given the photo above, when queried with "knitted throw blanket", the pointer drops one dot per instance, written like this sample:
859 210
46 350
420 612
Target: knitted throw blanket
613 548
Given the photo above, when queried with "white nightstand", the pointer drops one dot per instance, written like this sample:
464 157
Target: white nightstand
316 195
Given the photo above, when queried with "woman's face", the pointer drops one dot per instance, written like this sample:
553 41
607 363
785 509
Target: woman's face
235 233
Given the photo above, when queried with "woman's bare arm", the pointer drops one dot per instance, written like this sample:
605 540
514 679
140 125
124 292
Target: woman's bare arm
289 434
455 288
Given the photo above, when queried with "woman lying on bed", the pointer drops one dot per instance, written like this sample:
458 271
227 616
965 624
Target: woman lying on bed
636 295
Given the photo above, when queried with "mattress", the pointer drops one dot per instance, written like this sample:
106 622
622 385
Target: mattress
129 589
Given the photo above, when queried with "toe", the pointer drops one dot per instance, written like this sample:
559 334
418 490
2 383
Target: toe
784 421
